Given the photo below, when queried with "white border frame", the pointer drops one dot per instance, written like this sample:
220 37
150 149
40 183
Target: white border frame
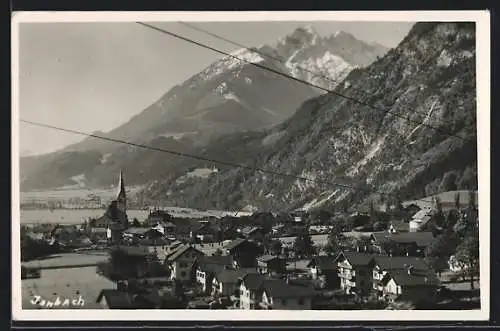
482 20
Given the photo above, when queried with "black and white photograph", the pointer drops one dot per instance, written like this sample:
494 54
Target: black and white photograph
332 163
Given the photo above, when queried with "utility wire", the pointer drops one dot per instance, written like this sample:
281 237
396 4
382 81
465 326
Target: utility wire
201 158
279 73
317 74
196 157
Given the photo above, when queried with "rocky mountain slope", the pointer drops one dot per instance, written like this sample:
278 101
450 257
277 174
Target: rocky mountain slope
429 78
229 96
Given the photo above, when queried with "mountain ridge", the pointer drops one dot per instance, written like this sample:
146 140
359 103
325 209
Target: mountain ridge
429 78
227 97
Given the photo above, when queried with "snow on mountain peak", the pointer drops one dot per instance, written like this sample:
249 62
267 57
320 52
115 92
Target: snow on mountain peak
234 60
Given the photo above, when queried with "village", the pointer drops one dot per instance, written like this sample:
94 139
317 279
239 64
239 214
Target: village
384 257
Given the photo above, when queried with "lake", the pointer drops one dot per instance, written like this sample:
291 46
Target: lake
77 216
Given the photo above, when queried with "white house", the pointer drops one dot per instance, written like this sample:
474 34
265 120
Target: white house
180 262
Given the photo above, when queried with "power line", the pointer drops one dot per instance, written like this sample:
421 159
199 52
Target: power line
279 73
317 74
196 157
201 158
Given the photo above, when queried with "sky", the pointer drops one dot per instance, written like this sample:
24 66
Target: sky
96 76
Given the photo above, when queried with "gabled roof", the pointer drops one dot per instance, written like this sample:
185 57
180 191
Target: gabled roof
422 239
277 288
233 276
214 259
154 242
214 264
324 262
181 251
115 299
235 243
253 281
400 262
421 213
357 259
414 278
137 230
247 230
267 258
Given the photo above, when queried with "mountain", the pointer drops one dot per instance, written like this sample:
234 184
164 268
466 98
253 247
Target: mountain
326 61
417 138
230 96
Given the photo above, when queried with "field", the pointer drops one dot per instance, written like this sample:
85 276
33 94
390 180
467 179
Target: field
77 216
447 200
104 193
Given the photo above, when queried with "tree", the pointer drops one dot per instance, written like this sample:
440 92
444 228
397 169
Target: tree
136 223
371 208
467 254
276 247
303 245
457 200
472 199
440 249
451 219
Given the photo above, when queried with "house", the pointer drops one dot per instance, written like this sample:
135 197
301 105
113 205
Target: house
115 232
402 243
207 267
158 217
250 290
252 233
207 232
135 233
355 273
115 299
157 246
180 262
227 282
420 219
409 285
324 269
64 234
280 295
381 265
270 264
398 226
243 252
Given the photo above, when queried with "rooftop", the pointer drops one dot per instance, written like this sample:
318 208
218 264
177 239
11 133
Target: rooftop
357 259
267 258
115 299
324 262
422 239
400 262
403 278
278 288
233 276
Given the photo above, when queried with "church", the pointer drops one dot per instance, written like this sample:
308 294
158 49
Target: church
115 219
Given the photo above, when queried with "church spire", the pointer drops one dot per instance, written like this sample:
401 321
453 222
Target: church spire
121 197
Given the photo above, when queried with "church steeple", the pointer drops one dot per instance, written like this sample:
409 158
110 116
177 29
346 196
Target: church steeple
121 197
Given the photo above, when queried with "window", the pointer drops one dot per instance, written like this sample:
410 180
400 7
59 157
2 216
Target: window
183 274
283 302
183 264
361 272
